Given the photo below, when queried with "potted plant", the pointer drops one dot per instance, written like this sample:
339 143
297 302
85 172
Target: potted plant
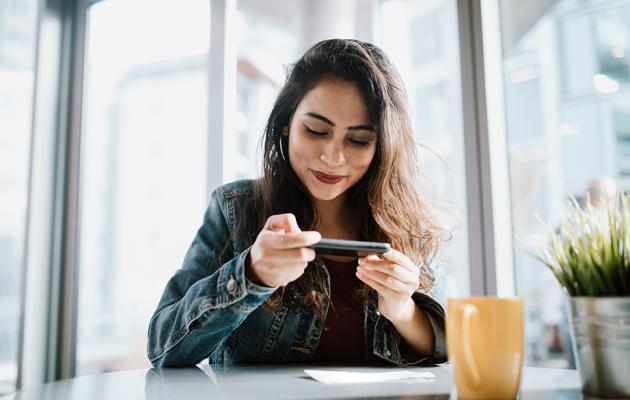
590 256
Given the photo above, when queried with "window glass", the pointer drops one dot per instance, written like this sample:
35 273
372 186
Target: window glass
612 39
421 37
18 19
143 168
267 42
567 104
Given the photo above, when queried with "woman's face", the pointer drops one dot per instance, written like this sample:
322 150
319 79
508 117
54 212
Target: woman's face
332 139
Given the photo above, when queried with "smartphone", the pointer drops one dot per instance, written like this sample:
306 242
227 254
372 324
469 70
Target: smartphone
354 248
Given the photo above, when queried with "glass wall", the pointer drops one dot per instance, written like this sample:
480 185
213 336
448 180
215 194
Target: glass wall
18 19
267 42
422 39
566 75
145 139
143 168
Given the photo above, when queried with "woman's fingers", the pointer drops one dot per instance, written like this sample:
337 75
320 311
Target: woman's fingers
302 254
399 258
281 251
391 269
285 222
388 281
384 290
276 240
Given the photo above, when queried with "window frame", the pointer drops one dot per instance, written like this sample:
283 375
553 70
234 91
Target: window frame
49 276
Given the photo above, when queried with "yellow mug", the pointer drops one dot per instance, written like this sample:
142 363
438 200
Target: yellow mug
484 338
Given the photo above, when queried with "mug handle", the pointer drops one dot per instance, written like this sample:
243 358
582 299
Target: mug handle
470 311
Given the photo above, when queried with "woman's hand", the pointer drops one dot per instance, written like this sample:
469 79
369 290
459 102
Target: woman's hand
280 253
395 278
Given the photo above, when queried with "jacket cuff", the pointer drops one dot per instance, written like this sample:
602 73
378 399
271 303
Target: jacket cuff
436 315
251 287
233 288
390 346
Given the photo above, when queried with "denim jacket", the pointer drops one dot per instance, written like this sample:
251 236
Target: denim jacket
209 309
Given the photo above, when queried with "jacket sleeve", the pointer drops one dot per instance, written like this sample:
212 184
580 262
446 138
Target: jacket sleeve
206 299
390 346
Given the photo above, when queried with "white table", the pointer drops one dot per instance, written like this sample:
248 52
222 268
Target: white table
279 382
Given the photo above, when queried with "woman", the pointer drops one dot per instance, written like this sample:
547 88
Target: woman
339 162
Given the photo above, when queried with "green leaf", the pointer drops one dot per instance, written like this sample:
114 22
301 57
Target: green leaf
590 256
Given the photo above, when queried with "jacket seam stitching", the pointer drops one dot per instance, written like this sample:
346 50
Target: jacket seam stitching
183 332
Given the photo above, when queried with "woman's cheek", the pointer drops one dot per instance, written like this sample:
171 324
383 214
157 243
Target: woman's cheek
362 159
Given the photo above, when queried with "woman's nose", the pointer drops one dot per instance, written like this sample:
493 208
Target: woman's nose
333 156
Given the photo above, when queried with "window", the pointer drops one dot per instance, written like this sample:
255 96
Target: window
565 73
422 40
612 40
266 44
18 20
143 168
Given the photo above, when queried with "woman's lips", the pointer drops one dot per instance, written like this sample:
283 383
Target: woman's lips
328 179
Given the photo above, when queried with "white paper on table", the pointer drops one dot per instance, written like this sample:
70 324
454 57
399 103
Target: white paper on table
368 377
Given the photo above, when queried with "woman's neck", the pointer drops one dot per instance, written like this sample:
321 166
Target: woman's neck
336 221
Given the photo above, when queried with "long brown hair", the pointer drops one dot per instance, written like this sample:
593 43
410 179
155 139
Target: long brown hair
393 200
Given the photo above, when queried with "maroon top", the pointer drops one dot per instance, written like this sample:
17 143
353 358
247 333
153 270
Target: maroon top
343 337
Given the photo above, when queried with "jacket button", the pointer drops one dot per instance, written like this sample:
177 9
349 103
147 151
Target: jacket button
231 285
388 353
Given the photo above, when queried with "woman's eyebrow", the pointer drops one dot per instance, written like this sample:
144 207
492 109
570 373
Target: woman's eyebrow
329 122
319 117
362 128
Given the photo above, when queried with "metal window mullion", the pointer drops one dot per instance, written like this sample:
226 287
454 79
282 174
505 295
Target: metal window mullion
45 296
63 365
221 92
39 226
477 151
498 148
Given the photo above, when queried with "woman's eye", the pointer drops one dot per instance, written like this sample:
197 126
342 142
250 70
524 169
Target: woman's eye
360 143
315 133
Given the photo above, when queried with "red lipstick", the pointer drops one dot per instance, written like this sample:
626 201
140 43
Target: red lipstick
328 179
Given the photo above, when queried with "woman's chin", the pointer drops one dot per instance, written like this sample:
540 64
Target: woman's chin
321 191
325 195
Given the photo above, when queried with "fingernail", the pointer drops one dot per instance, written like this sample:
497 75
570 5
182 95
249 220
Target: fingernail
314 235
